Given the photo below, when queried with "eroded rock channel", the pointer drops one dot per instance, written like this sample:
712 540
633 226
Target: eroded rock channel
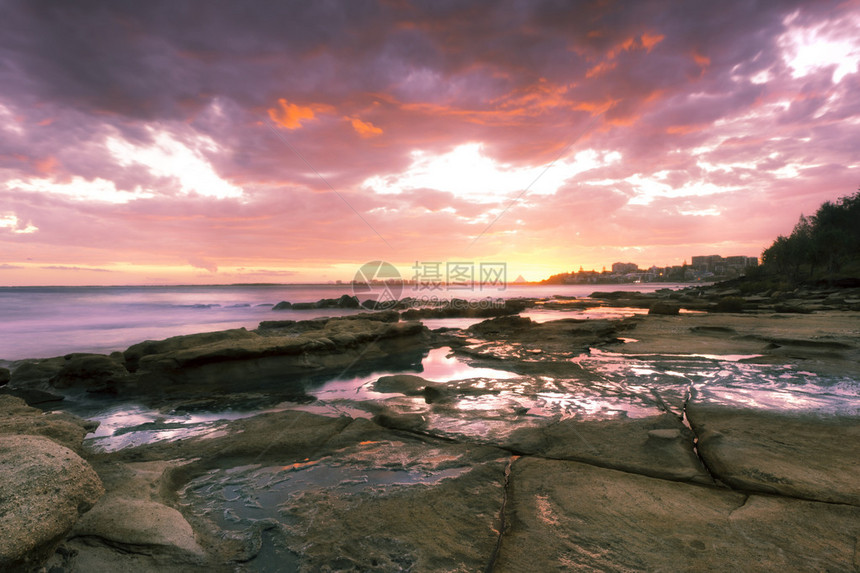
530 442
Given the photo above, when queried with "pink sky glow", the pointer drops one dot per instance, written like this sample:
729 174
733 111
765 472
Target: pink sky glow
208 142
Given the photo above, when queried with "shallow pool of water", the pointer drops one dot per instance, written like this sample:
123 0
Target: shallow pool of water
128 424
266 505
729 380
440 365
497 401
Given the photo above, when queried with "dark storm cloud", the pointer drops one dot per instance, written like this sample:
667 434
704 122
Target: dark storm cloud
165 60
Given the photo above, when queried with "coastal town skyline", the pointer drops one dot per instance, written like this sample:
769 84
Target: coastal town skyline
154 143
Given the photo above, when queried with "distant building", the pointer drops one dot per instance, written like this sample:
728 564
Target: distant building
706 263
624 268
703 268
723 266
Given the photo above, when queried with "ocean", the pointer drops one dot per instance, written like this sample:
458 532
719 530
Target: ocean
42 322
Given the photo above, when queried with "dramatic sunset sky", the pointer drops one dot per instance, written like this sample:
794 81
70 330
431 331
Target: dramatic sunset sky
223 142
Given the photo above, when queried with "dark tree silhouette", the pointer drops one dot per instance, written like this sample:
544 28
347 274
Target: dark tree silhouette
828 240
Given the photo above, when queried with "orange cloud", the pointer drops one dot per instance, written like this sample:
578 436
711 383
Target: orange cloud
596 107
649 41
364 128
511 109
290 115
644 42
534 98
702 60
624 46
600 68
683 129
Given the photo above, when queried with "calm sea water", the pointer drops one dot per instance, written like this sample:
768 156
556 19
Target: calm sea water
41 322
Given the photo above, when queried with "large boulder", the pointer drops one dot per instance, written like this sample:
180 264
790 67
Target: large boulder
44 488
139 523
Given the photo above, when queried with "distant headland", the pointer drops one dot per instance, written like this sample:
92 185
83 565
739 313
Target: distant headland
823 248
703 268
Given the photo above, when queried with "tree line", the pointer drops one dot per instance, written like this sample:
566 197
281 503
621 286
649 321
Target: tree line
823 244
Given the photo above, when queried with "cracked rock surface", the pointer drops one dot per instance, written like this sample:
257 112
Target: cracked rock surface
568 516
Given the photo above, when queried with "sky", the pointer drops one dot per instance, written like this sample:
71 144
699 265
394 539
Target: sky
207 142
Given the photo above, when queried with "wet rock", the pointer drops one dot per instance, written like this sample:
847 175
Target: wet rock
44 487
729 304
435 393
665 434
282 361
33 396
824 342
407 384
508 325
29 373
445 526
523 340
17 418
276 325
714 330
621 295
666 308
297 327
793 454
92 555
95 372
261 438
279 360
398 420
283 305
345 301
568 516
371 304
176 343
792 309
659 446
459 308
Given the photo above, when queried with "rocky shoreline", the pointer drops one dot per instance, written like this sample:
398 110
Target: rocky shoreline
705 429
